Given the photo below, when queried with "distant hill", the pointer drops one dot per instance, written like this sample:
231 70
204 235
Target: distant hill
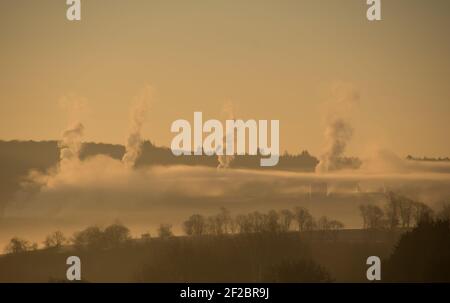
17 158
440 159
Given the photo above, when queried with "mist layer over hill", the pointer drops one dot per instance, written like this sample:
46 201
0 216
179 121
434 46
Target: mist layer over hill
42 193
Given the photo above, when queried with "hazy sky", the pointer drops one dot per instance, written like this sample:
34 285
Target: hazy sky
271 59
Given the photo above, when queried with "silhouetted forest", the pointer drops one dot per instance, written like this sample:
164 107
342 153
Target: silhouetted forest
423 254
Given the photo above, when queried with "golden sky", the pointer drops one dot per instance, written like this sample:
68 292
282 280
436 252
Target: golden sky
270 59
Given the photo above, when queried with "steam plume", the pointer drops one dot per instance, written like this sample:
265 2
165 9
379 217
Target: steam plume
70 145
226 160
338 132
134 142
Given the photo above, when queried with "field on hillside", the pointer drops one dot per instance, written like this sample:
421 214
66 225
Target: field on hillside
228 258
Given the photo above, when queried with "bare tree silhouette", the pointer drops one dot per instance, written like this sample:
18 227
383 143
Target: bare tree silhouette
55 240
17 245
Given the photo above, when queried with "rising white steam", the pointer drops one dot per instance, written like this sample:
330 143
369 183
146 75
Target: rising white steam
338 131
137 119
70 144
226 160
337 135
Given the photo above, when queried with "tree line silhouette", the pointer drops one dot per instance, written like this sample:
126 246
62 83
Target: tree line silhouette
222 223
272 246
256 222
399 211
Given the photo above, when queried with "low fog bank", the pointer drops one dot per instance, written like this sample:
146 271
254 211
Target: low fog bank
107 186
101 190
